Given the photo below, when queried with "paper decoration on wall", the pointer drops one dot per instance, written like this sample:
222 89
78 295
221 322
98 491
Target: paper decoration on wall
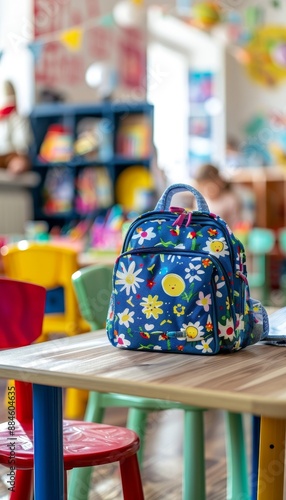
264 65
206 14
72 39
254 17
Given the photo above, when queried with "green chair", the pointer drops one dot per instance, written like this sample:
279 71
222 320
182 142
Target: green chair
93 288
260 242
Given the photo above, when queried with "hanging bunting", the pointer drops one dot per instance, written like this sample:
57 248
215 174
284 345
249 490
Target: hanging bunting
107 21
183 7
36 48
72 39
137 2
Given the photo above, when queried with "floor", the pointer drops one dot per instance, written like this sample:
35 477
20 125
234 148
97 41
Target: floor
162 468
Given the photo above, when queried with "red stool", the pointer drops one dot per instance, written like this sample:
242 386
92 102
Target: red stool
85 444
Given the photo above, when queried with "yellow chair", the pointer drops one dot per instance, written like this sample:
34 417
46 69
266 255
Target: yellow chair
50 266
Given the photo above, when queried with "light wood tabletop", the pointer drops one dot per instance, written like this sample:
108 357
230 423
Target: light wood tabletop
252 380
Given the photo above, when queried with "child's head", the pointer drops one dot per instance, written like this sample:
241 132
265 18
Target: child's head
210 182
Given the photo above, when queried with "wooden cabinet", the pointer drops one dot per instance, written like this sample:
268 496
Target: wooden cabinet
81 152
269 187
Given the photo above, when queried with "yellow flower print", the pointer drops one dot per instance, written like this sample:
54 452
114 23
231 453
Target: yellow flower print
179 310
151 306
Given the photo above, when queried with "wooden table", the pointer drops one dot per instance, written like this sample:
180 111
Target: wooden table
251 381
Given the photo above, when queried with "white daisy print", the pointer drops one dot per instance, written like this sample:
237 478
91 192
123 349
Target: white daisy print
204 346
122 341
193 272
144 234
240 322
128 278
193 331
173 257
227 331
217 247
157 348
204 301
218 286
126 317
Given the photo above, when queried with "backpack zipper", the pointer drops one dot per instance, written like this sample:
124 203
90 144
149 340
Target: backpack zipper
196 218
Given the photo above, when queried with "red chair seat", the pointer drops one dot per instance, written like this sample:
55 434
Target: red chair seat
81 439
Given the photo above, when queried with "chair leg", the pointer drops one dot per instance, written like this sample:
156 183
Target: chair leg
255 455
237 482
23 485
194 456
137 422
79 483
131 479
79 480
94 410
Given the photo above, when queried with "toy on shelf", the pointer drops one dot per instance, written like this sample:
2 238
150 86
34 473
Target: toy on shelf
94 189
134 137
14 132
93 140
57 145
58 190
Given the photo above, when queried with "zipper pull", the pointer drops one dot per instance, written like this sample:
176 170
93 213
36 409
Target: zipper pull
178 210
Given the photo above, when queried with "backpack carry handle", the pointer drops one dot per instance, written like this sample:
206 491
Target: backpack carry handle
165 201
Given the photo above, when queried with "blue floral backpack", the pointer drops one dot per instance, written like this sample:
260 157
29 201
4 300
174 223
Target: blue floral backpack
180 284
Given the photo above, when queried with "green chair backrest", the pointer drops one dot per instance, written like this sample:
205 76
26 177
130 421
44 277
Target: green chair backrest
92 286
260 240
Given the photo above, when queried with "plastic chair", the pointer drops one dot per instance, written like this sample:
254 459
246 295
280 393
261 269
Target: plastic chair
260 242
49 266
85 444
93 288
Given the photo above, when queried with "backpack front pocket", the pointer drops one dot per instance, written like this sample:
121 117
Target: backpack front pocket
170 302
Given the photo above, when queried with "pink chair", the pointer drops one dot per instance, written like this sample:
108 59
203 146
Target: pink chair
22 307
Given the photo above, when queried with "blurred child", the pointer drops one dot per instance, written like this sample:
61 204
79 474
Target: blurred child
222 198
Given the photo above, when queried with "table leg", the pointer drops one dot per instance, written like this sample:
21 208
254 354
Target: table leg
48 443
271 459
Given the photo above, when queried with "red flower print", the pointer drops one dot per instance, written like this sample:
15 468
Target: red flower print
174 232
212 232
209 327
150 284
180 347
229 331
206 262
145 335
